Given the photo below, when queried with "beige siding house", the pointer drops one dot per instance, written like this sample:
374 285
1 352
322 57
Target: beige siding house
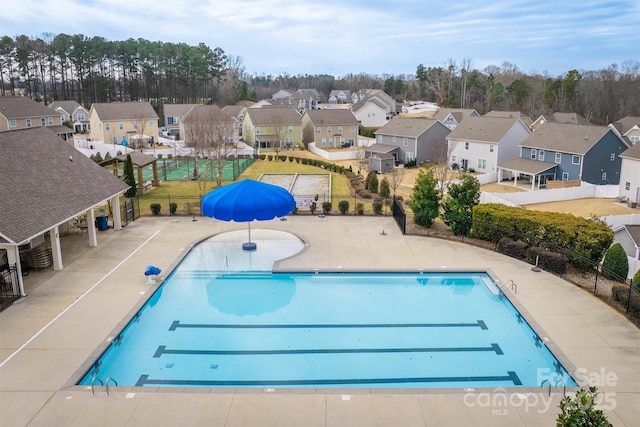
330 128
127 123
17 112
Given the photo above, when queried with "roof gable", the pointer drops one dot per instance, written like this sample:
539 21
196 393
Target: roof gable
67 106
331 117
270 116
483 128
632 152
46 182
16 107
406 126
124 111
565 138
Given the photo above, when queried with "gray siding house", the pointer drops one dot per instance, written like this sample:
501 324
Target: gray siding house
420 139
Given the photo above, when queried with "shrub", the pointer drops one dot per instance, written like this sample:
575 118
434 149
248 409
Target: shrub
262 156
365 194
377 208
581 410
636 280
269 157
313 207
513 248
282 158
620 293
159 155
169 156
173 207
326 207
155 208
615 265
290 159
385 188
547 260
360 208
343 206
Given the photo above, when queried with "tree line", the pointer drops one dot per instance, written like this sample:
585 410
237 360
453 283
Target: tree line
93 69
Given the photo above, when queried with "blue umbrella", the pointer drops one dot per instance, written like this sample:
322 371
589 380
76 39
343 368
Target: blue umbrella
246 201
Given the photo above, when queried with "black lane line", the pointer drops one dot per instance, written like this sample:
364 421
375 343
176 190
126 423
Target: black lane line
163 350
176 324
144 380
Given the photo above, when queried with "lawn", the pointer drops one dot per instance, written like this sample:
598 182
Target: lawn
186 194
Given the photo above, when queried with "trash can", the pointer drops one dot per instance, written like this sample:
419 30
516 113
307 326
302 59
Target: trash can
101 222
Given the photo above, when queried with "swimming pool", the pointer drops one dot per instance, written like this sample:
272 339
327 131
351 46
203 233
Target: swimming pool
209 325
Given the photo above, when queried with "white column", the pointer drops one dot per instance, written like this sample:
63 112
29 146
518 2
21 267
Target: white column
56 252
13 257
533 182
91 223
115 211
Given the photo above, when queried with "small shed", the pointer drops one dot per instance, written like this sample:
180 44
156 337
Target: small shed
382 157
140 161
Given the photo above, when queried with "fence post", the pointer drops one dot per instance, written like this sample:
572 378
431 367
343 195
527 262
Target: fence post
629 296
595 285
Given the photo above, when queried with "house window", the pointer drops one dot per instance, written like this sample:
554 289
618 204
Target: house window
114 139
324 142
81 117
558 157
634 139
330 142
121 125
466 145
176 120
613 157
409 156
329 129
43 122
453 158
107 126
353 128
405 141
342 141
50 121
604 176
541 155
482 164
352 142
280 128
318 129
565 176
534 153
150 123
290 129
627 186
379 138
394 139
12 123
28 123
491 148
257 130
339 129
575 160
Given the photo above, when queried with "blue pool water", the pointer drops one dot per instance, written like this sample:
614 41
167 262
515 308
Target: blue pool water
213 327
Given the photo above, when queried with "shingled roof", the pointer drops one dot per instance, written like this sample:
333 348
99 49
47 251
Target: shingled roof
406 127
46 182
124 110
483 129
332 117
564 137
67 106
270 116
632 152
17 107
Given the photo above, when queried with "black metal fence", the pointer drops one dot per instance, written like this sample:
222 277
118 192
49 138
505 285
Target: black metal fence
9 285
592 274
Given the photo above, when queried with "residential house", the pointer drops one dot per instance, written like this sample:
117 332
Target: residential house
629 238
126 123
173 115
630 174
373 107
417 138
451 117
329 128
629 128
339 96
46 183
237 113
482 143
510 114
270 126
558 117
208 127
557 151
74 113
18 112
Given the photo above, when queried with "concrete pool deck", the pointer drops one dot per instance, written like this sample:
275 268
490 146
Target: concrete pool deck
46 339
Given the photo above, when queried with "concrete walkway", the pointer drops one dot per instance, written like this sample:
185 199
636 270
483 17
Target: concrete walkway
47 339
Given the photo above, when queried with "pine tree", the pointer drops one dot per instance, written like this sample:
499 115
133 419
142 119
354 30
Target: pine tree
128 177
615 265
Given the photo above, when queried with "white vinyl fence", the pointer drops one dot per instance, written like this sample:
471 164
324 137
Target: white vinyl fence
558 194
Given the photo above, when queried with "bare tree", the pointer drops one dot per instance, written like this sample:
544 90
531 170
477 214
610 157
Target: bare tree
209 131
140 125
359 156
395 178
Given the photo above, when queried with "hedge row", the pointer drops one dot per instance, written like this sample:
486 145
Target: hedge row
543 258
584 237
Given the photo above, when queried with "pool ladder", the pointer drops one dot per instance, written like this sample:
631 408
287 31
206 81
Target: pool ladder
560 382
509 283
105 383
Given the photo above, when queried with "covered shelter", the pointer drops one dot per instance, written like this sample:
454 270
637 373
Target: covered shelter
47 183
533 171
140 161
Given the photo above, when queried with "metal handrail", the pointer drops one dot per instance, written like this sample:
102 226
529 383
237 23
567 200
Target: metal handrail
93 380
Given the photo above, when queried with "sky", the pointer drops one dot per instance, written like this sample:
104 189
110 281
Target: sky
340 37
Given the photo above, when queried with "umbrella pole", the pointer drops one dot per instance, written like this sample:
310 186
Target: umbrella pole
249 246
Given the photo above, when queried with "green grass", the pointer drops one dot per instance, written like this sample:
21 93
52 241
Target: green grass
187 194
